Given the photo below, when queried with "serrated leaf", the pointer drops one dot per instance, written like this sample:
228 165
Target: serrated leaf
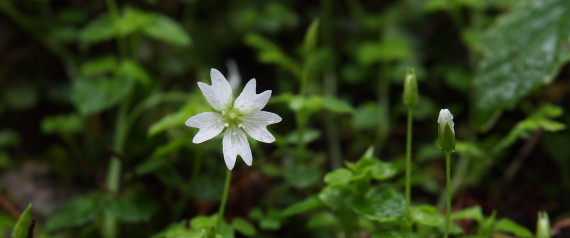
516 64
165 29
21 229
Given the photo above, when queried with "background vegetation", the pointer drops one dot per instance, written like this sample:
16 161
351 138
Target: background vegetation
94 95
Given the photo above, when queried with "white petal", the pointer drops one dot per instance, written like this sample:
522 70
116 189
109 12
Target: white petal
234 78
445 117
248 101
255 125
210 124
234 144
219 95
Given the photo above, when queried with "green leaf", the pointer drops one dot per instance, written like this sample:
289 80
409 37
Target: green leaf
394 234
101 65
98 30
311 36
541 119
302 176
76 212
22 227
335 197
338 176
244 227
336 105
8 137
132 208
133 70
62 124
379 203
306 205
165 29
515 64
383 170
270 53
509 226
472 213
427 215
95 94
324 219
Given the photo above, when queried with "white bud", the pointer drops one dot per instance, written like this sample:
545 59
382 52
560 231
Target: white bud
445 118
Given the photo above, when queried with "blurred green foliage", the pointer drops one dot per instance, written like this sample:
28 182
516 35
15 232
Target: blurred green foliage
94 95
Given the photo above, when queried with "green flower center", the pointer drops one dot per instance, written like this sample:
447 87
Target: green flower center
232 117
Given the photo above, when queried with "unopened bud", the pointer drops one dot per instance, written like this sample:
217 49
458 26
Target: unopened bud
542 225
411 88
446 133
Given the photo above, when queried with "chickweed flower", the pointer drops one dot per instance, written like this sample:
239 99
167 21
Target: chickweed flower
238 117
446 133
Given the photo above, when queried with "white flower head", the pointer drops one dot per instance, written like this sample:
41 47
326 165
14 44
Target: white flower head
237 117
445 118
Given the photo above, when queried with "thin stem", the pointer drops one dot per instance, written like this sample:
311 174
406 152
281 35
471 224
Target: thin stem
448 179
224 198
409 157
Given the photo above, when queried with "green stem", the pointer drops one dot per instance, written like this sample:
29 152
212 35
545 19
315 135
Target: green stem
409 157
224 198
448 179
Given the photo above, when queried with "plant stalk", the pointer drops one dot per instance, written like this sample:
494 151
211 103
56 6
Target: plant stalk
448 200
224 198
409 158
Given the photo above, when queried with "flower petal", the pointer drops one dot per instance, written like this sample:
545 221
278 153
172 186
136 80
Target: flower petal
248 101
255 125
219 95
210 124
234 144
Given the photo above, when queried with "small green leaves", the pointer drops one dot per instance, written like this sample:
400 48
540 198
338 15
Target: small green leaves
542 225
380 203
22 227
133 21
410 88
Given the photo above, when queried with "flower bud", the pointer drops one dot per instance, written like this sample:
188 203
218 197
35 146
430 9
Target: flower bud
542 225
410 88
446 133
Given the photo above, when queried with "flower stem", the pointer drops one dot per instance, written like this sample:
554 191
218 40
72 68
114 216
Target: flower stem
409 158
448 202
224 198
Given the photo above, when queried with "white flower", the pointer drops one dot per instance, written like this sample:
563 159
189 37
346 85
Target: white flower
243 114
445 118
